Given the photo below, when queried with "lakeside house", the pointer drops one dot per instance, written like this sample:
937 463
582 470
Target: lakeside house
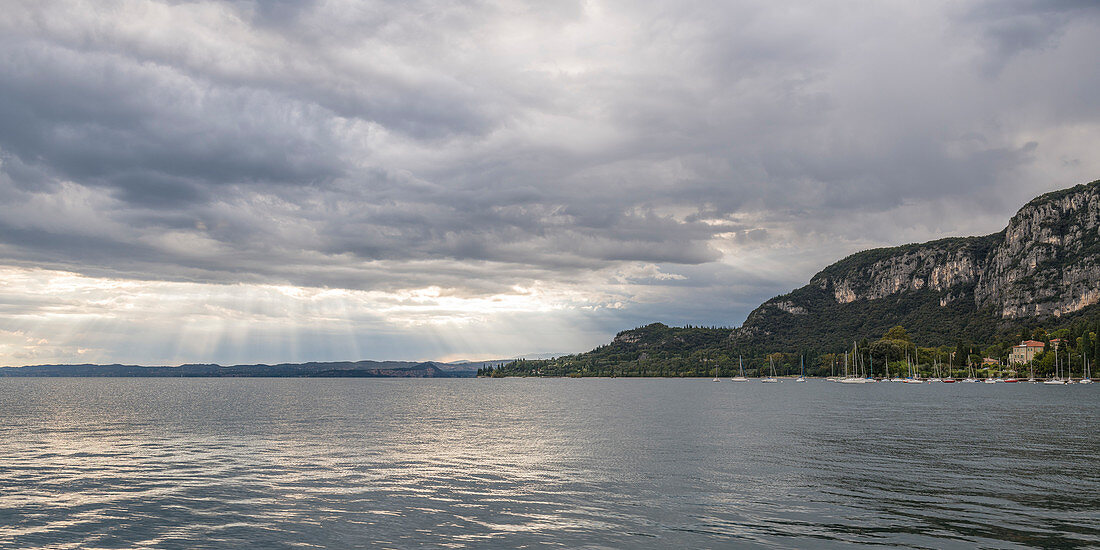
1025 352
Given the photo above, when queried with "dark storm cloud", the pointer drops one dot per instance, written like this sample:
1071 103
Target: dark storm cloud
389 145
101 120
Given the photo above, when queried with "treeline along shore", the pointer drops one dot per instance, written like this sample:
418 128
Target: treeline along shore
660 351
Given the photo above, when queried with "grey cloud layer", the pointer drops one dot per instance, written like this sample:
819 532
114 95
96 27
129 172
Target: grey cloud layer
393 145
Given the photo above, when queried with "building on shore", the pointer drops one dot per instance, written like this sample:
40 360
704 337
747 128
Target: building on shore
1025 352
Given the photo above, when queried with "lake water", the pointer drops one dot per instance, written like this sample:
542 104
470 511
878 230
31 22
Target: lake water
485 463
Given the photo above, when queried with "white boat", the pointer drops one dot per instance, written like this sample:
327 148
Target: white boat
850 378
802 368
935 370
1086 373
716 379
1057 380
740 372
969 375
770 379
913 378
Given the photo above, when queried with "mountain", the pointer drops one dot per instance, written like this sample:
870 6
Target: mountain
1045 264
340 369
1042 270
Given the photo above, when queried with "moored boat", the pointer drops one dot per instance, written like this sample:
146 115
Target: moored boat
770 379
740 372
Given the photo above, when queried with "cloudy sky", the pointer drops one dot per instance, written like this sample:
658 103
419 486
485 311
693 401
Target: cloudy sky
263 181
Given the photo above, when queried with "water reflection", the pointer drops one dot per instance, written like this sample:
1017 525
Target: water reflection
192 463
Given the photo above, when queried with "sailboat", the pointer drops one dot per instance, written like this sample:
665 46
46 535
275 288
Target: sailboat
740 372
716 379
1086 372
770 379
913 378
850 378
1057 380
989 376
802 369
897 378
969 374
950 378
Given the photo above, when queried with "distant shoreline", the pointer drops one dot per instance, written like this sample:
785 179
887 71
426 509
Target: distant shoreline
342 369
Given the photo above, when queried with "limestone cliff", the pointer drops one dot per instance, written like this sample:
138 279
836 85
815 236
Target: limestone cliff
1045 263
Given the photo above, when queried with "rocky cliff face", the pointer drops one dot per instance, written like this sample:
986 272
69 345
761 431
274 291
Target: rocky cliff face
1045 263
938 266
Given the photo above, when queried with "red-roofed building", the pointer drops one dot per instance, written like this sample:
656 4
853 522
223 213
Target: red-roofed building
1026 351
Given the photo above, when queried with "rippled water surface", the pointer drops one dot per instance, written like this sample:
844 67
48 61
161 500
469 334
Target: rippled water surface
467 463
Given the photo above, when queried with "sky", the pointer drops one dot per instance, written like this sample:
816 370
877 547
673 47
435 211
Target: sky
277 181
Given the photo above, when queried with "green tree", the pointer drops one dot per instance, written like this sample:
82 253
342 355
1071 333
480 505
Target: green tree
958 359
896 333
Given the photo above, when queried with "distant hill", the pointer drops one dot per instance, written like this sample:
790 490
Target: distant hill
1042 270
339 369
